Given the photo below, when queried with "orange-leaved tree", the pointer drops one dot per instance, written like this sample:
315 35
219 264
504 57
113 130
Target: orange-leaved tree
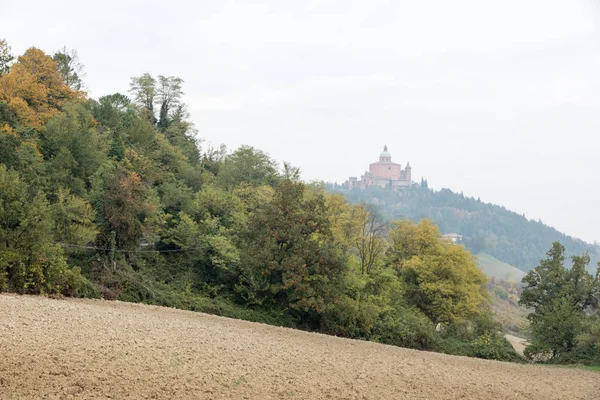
34 91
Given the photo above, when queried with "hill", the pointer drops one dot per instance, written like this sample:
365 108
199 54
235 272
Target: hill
510 237
495 268
98 349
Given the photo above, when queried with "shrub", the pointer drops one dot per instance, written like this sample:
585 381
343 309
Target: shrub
490 346
493 347
133 286
350 318
406 327
79 286
580 355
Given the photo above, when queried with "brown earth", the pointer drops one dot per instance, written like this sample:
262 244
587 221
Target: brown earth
60 349
519 344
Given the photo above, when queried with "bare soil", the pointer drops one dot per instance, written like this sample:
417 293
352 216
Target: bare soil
84 349
519 344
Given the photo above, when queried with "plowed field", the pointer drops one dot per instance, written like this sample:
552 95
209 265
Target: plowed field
93 349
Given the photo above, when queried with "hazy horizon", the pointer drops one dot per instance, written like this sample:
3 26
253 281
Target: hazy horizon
498 101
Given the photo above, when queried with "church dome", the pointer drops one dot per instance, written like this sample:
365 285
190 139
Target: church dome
385 153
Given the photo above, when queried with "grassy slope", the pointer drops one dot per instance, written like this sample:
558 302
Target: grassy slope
507 311
512 316
495 268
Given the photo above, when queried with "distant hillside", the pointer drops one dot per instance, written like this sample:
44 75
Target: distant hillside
504 296
503 234
495 268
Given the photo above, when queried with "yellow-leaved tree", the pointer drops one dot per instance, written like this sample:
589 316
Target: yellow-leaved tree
442 278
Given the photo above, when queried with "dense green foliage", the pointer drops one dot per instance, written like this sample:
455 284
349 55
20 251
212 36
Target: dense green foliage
565 322
506 235
114 198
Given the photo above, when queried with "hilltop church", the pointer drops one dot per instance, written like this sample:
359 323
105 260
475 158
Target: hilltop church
383 173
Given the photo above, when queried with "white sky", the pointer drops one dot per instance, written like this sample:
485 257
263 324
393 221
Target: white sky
498 99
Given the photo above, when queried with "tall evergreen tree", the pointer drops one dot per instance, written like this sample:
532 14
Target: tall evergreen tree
559 299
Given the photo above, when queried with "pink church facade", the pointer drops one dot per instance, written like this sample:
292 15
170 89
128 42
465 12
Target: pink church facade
383 173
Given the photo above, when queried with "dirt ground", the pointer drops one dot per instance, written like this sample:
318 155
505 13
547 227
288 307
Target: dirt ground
518 343
84 349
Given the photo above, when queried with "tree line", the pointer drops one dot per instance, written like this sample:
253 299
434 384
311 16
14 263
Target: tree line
116 198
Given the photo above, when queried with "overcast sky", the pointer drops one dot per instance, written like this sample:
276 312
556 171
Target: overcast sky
498 99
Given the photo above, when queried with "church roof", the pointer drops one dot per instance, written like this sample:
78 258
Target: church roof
385 163
385 153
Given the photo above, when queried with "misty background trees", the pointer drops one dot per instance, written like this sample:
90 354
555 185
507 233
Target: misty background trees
506 235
